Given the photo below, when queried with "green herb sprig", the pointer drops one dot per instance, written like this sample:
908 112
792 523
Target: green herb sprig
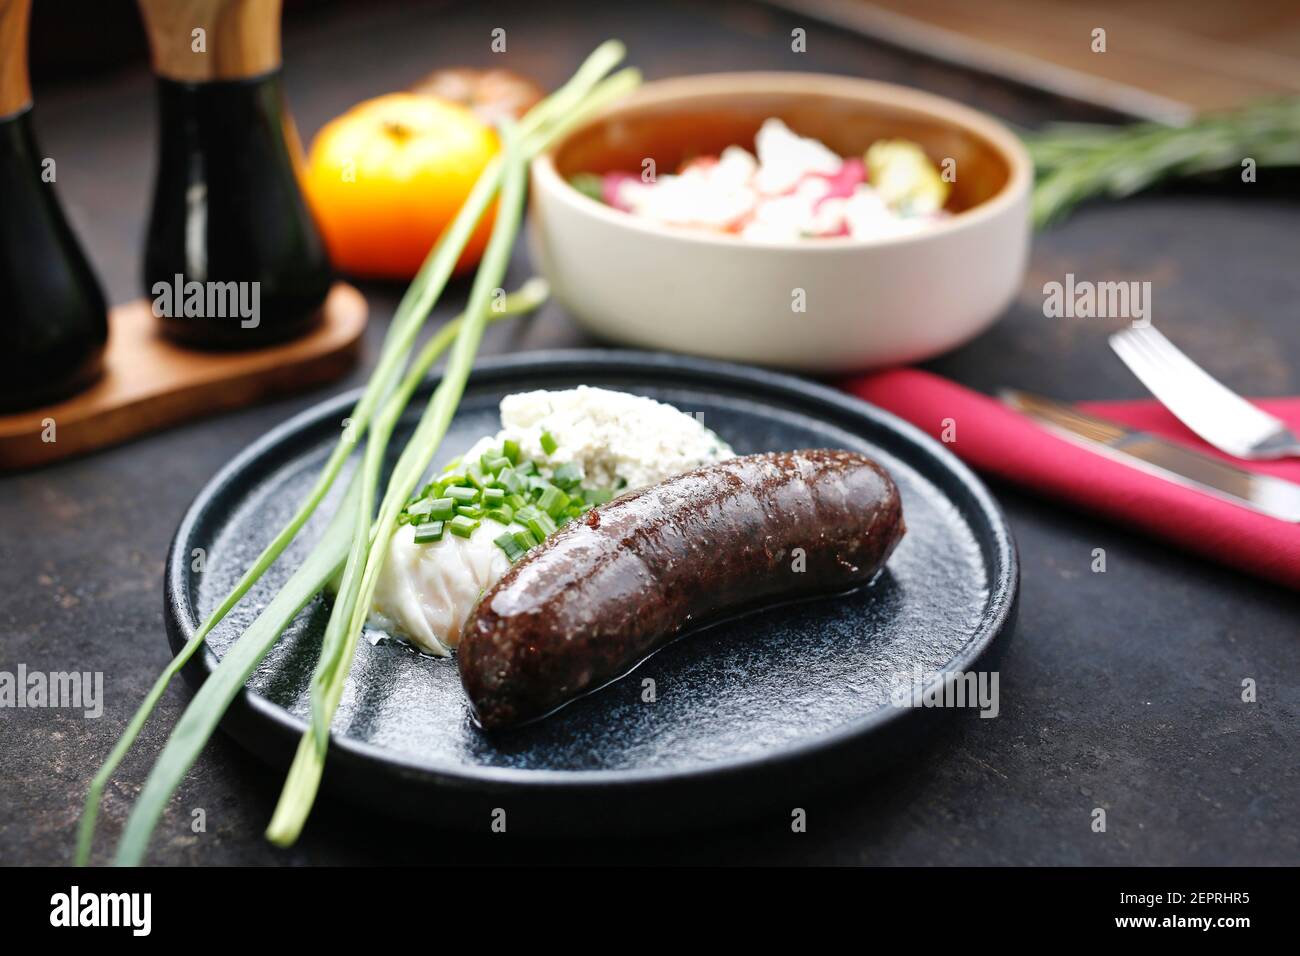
1077 162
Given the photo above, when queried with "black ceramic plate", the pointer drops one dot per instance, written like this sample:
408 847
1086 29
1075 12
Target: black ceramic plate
744 717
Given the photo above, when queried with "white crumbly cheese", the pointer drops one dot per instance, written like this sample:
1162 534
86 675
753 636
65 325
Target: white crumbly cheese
426 591
609 435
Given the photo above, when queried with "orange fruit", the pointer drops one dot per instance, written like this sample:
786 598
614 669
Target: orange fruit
388 176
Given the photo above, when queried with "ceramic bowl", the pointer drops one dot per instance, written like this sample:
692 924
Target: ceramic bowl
866 302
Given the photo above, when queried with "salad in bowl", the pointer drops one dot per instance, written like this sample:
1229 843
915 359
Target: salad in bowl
790 187
820 223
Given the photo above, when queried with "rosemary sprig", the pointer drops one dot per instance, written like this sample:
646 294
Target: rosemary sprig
1076 162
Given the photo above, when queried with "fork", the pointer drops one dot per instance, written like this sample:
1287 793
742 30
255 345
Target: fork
1216 413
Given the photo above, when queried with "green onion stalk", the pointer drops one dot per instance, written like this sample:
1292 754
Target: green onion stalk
352 604
360 576
200 719
386 390
491 272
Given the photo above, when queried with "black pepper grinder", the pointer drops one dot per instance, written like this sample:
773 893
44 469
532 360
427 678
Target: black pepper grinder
53 322
233 258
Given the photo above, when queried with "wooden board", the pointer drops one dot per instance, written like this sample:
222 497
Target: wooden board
1165 59
150 382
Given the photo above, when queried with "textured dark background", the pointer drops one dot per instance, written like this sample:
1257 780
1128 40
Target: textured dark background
1121 690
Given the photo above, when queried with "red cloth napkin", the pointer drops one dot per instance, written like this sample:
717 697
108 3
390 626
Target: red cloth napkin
995 440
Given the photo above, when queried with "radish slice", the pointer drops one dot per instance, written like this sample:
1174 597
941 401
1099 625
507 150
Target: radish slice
611 189
851 174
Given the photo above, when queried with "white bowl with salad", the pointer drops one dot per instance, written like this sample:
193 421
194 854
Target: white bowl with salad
814 222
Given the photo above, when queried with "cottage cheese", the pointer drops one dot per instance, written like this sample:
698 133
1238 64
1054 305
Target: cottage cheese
614 437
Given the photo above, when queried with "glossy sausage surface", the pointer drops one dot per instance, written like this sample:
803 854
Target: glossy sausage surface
610 588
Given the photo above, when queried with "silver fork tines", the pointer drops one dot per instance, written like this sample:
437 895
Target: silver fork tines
1219 415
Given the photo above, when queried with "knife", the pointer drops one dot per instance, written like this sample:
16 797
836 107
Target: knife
1274 497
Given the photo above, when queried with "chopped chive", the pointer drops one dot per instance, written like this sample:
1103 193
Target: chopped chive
507 543
527 468
510 480
516 501
426 533
541 525
453 478
553 501
442 509
567 475
549 444
526 538
538 483
511 450
505 514
494 496
462 495
462 527
469 511
477 477
493 460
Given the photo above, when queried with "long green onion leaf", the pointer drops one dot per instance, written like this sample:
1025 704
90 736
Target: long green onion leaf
351 609
303 780
582 94
201 717
565 102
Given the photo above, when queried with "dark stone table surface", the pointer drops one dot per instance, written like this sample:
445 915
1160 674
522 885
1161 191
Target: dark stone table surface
1121 690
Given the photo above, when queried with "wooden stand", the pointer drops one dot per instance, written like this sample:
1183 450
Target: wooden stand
240 38
150 383
15 88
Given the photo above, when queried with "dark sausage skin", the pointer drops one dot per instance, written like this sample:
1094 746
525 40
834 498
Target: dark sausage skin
609 588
